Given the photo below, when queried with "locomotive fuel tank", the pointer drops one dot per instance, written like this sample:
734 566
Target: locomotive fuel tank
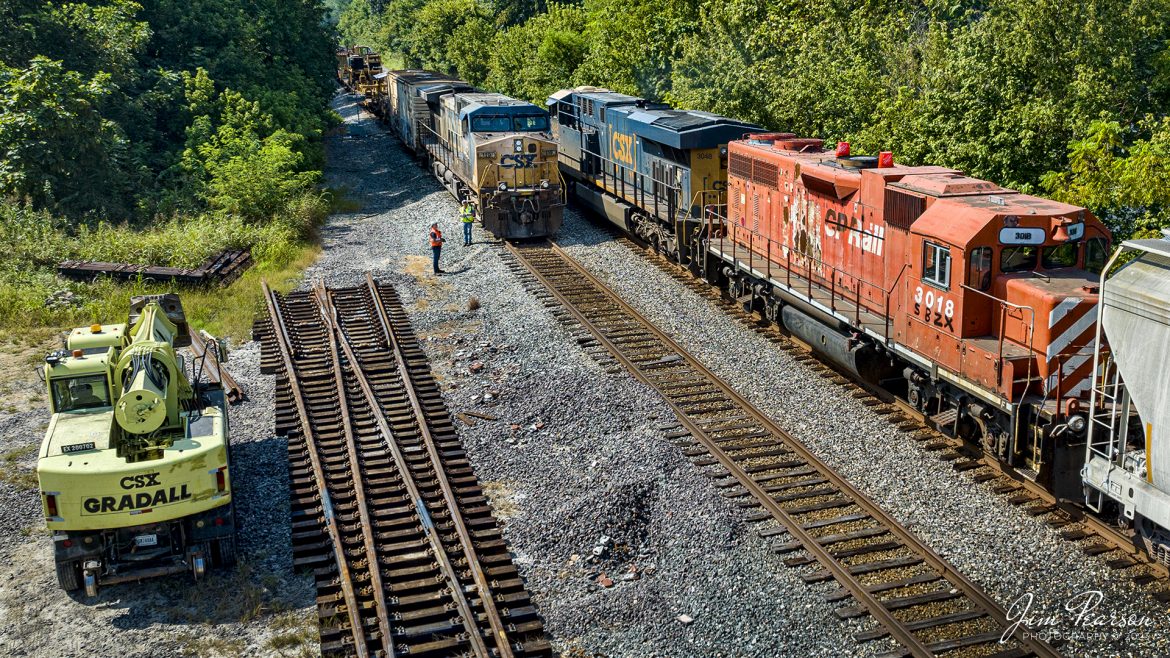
851 352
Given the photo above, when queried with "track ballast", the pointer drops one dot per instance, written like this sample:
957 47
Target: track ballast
379 477
917 598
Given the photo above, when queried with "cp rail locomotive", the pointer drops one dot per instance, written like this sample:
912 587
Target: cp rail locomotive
496 151
974 303
133 468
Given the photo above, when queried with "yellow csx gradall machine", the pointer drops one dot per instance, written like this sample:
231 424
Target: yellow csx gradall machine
490 148
134 466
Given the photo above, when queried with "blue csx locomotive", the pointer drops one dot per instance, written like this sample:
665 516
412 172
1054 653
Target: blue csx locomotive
494 150
646 167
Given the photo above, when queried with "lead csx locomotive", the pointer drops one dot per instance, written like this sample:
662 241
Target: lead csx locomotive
494 150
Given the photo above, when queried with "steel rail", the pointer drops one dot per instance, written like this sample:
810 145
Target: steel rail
329 315
217 373
280 332
897 630
502 645
359 487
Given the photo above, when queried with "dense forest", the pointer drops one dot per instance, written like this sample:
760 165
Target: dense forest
1066 99
156 132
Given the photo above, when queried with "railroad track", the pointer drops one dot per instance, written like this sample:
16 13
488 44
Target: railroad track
407 557
914 595
1118 548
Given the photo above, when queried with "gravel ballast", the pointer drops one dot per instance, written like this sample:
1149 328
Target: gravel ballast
995 544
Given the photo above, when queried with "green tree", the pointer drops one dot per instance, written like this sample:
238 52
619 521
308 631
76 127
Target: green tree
56 150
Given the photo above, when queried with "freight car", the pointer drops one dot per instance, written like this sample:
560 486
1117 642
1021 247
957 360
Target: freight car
494 150
973 302
1127 459
133 468
647 168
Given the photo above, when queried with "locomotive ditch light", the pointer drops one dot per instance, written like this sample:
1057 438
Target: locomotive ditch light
1077 423
544 184
503 187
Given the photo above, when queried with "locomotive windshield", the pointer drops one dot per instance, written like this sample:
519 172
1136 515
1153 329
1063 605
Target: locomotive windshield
533 123
1063 255
1017 259
491 124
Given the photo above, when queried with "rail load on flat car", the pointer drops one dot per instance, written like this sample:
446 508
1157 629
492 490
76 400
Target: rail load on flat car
647 168
973 302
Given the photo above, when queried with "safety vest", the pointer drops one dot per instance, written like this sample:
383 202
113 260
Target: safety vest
468 215
436 237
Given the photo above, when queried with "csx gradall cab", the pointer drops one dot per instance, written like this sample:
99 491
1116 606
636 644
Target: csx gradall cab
133 469
499 152
647 168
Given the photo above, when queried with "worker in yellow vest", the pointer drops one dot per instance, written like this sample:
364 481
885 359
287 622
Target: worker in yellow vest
467 216
436 245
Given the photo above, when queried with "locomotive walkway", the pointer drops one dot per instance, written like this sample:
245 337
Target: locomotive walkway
407 557
916 597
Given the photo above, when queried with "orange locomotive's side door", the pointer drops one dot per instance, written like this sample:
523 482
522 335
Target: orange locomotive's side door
933 301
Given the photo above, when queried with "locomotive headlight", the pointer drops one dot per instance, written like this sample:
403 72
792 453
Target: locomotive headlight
519 145
1077 423
503 187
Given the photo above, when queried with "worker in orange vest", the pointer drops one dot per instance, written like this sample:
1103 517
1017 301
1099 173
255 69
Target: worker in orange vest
436 245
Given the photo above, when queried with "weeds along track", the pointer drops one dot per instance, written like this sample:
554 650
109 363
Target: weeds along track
826 525
407 557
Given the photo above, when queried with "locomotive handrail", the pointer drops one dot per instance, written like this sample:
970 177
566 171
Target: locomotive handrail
810 260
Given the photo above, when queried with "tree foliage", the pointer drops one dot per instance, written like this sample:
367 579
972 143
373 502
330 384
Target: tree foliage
96 120
1009 90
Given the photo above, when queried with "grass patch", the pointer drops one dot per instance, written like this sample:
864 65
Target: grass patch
35 242
15 473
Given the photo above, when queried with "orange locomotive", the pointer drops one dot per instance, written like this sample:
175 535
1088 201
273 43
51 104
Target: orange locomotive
975 303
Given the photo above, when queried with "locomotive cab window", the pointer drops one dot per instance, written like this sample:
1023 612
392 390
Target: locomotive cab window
1017 259
1060 256
1096 253
936 265
979 268
536 123
491 124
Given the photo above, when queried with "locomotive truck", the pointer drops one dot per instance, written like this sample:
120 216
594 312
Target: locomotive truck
133 469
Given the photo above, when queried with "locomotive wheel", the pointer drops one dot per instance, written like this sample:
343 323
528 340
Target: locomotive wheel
199 565
69 575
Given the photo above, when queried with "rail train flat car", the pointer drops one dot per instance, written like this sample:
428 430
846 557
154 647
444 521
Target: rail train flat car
974 302
1127 460
492 149
133 468
647 168
359 68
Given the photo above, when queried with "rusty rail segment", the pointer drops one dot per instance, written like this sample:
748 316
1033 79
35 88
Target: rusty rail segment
917 598
375 461
215 370
222 268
